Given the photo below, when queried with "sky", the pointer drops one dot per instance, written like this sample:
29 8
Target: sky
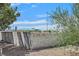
35 15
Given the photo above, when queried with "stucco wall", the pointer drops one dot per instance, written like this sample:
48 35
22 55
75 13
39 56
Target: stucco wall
33 40
43 40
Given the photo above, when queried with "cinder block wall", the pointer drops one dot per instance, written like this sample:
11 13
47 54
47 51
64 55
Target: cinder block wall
30 40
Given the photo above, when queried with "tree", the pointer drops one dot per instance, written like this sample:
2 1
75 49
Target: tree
69 23
7 15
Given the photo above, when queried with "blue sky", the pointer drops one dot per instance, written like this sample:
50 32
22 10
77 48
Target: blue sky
34 15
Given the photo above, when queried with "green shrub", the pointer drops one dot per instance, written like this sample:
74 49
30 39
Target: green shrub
69 25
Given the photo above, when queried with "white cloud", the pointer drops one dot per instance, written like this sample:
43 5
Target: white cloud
21 11
45 27
33 6
32 22
42 15
15 4
41 27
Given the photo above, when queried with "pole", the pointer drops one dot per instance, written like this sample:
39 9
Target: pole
47 22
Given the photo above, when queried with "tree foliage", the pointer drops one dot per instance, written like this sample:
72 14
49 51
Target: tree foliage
69 23
7 15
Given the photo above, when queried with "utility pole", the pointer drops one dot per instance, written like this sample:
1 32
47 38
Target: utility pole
47 22
15 28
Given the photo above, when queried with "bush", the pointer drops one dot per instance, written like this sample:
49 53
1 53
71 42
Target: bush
69 25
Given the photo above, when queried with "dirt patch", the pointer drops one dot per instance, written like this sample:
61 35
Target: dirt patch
11 50
60 51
